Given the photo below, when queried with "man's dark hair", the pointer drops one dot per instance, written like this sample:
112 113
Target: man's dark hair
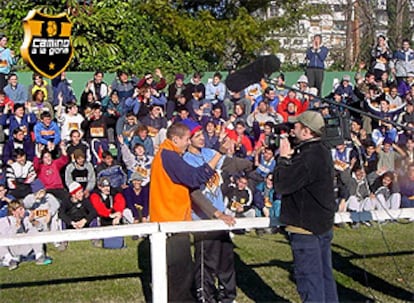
17 130
106 153
74 131
129 114
19 152
45 114
218 75
268 90
13 75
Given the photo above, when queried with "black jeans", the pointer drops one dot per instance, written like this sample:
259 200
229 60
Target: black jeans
214 257
180 268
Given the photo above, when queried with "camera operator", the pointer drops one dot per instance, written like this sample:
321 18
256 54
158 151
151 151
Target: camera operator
304 177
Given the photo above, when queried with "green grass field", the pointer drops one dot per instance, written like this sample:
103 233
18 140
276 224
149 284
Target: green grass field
364 269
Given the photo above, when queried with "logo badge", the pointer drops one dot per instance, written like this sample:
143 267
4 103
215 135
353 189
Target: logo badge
47 45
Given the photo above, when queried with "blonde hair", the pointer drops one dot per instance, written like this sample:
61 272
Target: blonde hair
13 205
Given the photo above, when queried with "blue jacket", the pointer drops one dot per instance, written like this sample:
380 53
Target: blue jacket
11 123
66 90
45 134
317 59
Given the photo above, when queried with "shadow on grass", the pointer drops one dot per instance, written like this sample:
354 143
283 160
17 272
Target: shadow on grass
343 264
252 284
70 280
144 263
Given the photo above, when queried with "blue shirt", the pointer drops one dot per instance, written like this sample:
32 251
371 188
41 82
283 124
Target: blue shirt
211 189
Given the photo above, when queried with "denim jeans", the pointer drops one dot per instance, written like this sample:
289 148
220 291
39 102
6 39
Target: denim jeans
312 259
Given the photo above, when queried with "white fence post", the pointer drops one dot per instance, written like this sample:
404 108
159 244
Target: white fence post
159 267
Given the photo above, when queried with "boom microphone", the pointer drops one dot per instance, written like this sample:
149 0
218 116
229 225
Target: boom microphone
252 73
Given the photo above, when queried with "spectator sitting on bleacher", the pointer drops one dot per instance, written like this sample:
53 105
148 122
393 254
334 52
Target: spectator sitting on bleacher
291 106
81 171
69 121
112 170
16 91
243 148
137 198
360 197
45 207
42 85
175 91
386 191
47 133
124 86
77 143
109 204
137 161
388 153
17 141
39 105
5 199
96 87
157 125
11 120
48 170
141 136
20 175
62 87
95 127
18 223
238 198
77 212
406 183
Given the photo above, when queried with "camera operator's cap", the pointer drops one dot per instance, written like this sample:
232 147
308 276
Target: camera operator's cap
104 181
311 119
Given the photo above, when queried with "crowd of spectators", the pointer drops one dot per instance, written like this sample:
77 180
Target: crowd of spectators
80 161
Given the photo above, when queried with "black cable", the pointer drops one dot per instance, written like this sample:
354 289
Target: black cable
361 112
389 251
365 249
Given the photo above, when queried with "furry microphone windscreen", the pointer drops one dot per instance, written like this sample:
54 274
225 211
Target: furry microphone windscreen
252 73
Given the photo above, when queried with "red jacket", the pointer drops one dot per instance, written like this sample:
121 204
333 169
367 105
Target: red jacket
104 211
300 107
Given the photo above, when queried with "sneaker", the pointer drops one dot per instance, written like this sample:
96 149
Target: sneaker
13 265
62 246
44 261
96 243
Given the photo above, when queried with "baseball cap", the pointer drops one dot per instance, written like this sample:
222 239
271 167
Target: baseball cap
104 181
136 176
311 119
346 78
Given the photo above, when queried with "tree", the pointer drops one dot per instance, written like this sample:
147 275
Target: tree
398 22
179 36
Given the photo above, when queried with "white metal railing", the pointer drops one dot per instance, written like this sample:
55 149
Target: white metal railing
158 235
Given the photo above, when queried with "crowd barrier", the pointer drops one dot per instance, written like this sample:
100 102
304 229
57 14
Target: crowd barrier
158 233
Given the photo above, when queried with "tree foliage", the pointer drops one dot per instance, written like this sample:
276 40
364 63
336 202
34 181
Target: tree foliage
140 35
